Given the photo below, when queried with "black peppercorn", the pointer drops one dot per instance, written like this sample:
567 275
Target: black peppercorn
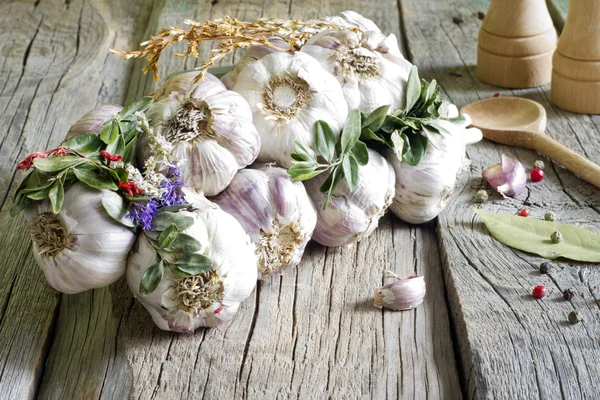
575 317
568 294
545 267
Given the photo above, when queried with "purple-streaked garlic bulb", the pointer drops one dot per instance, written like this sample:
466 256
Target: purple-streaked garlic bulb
81 247
423 190
353 215
403 294
288 94
508 177
180 82
275 212
368 65
209 129
93 121
352 19
208 299
252 54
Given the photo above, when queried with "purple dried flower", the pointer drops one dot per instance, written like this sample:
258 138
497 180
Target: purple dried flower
142 213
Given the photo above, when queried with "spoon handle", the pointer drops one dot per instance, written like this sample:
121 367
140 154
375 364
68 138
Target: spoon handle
572 161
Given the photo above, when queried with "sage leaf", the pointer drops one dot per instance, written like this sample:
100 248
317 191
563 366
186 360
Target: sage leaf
368 134
416 150
375 120
325 140
86 144
413 89
351 132
302 171
39 195
360 153
304 152
115 207
184 244
151 278
21 202
91 178
397 143
194 264
56 196
55 164
166 218
533 236
350 167
167 236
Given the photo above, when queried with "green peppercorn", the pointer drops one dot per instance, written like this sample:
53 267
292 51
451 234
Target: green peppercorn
575 317
539 164
545 267
556 237
481 196
550 216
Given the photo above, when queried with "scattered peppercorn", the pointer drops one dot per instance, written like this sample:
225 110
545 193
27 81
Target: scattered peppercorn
537 174
457 74
480 15
575 317
496 94
481 196
539 291
549 216
568 294
556 237
539 164
523 212
545 267
457 20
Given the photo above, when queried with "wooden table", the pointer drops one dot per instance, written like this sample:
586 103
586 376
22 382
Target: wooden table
312 333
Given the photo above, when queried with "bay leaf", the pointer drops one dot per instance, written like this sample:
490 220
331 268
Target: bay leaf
533 236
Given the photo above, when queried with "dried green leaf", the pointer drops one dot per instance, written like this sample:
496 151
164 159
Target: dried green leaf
194 264
184 243
360 153
86 144
56 164
533 236
351 132
140 105
115 207
375 120
166 218
167 236
151 278
350 167
93 179
325 140
413 89
56 196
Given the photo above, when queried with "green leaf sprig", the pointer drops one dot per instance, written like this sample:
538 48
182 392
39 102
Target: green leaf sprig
341 157
410 130
80 159
175 250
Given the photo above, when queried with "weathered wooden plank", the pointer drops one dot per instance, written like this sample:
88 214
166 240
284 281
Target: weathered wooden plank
510 345
310 333
54 69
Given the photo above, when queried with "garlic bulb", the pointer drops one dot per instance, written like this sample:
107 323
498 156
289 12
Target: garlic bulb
508 178
207 127
423 191
275 212
403 294
183 304
180 82
352 19
81 247
369 66
288 94
93 121
252 54
352 216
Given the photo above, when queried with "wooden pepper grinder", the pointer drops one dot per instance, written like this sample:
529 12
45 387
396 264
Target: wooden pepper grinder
516 42
576 73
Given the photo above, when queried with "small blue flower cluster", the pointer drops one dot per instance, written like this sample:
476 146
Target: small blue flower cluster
142 213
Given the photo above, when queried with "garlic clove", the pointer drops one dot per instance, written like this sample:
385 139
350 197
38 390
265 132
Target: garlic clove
508 178
81 247
403 294
93 121
276 213
352 216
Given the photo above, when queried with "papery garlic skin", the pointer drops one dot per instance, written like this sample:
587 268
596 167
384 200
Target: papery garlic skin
352 216
508 178
401 295
276 212
211 131
423 191
288 94
368 65
251 55
81 247
352 19
206 300
180 82
93 121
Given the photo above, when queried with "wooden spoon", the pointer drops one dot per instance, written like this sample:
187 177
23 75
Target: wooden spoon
520 122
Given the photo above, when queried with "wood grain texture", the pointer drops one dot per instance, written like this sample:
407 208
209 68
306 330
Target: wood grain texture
311 333
54 68
510 345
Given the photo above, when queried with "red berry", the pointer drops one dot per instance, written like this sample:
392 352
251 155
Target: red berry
523 212
537 174
539 291
496 94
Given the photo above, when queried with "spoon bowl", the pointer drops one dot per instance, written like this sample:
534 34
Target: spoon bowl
508 120
519 122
